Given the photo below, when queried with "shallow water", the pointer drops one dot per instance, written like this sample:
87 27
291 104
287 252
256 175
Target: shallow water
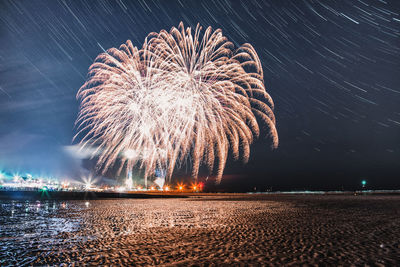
247 229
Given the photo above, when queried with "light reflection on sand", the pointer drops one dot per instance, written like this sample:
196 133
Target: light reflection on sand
245 229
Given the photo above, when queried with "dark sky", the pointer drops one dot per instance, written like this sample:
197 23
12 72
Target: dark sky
332 68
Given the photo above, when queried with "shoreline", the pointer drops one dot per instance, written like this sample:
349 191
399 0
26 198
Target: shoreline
77 195
91 195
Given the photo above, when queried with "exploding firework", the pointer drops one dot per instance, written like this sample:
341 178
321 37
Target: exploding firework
183 97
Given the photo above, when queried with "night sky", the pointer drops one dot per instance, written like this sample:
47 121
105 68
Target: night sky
332 68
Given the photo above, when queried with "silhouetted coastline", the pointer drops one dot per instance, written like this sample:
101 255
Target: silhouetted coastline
77 195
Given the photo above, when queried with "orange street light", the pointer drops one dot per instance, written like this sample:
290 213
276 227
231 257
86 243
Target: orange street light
180 187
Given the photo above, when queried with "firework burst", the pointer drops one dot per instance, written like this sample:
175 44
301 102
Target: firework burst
183 95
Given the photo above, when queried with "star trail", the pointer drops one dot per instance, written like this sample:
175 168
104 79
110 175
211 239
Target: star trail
332 68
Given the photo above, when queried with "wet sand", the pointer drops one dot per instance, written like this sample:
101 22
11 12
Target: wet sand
206 230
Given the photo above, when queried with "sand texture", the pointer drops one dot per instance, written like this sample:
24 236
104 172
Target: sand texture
209 230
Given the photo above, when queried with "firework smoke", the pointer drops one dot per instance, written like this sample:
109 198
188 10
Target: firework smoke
179 97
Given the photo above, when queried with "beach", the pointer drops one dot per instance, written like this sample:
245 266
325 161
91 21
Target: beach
215 229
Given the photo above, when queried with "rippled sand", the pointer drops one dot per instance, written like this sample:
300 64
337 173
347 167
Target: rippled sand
233 230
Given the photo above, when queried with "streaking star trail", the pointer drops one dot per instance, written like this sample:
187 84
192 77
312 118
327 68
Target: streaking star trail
331 68
184 94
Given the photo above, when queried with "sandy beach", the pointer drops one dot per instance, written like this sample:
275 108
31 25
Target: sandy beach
206 230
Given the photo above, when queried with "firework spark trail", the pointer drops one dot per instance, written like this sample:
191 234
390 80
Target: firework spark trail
179 96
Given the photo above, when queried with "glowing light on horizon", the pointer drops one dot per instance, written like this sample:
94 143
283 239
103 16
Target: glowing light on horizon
160 182
17 178
89 182
121 189
129 183
183 94
65 184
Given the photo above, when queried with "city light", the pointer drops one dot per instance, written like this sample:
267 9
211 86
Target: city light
16 178
65 184
31 182
121 189
180 187
89 183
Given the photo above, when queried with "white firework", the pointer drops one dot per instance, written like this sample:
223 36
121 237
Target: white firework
179 96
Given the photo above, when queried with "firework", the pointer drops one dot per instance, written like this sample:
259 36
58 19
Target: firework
183 97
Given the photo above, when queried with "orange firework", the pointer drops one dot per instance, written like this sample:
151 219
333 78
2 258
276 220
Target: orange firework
183 94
